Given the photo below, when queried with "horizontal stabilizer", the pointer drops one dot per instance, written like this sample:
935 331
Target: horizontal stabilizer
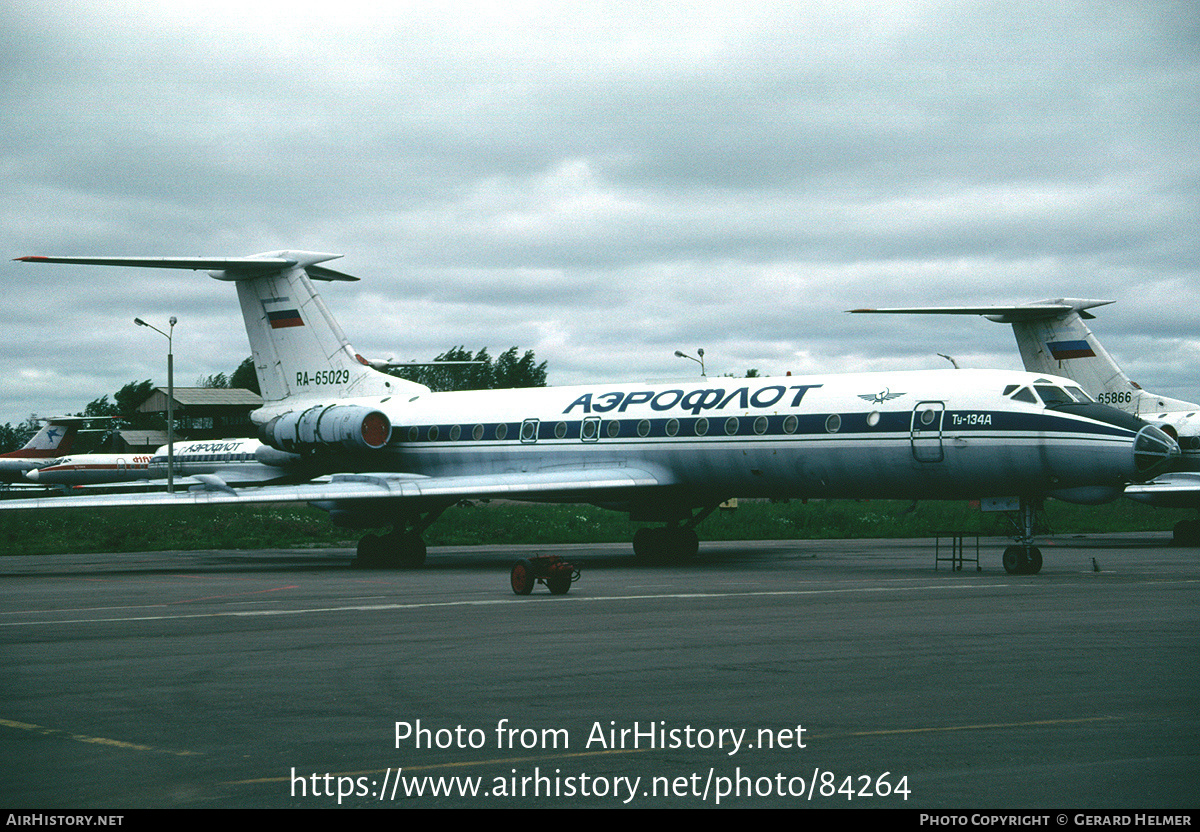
1002 314
229 268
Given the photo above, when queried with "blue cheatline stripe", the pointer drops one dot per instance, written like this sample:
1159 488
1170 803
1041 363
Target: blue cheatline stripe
999 423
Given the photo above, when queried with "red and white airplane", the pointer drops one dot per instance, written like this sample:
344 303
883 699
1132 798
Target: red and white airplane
54 440
666 453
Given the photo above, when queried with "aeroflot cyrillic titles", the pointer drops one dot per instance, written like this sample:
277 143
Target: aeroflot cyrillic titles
670 453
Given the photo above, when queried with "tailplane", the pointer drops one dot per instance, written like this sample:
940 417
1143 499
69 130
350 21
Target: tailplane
299 349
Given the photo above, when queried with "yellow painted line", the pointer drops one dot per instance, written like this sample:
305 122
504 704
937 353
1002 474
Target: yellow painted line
980 727
59 732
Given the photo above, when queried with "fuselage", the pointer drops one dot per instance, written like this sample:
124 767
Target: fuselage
949 434
235 461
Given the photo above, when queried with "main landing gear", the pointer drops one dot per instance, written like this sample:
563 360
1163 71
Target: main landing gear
390 551
670 543
1187 533
401 548
1024 558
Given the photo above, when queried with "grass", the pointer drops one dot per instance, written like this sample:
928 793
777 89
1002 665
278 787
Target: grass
288 526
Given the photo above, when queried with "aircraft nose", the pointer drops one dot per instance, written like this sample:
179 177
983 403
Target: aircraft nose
32 474
1153 451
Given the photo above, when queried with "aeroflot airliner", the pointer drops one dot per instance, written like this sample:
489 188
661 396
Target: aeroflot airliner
207 462
665 453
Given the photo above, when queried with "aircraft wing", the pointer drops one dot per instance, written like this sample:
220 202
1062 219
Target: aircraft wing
516 485
1177 490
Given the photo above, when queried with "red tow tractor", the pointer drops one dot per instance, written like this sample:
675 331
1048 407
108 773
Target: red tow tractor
551 570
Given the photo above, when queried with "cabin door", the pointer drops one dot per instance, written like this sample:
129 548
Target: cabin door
926 431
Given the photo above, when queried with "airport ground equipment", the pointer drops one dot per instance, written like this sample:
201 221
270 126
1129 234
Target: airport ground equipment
551 570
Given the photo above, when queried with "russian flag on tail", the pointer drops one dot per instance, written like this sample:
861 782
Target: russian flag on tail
284 318
1061 350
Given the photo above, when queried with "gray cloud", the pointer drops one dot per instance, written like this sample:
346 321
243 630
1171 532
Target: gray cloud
602 184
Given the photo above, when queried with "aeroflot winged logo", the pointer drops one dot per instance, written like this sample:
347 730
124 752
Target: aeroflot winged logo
884 395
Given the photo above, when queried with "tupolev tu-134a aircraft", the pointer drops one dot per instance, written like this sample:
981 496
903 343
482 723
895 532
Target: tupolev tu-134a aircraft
1053 338
666 453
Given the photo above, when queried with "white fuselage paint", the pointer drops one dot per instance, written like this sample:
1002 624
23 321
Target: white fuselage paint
233 460
858 435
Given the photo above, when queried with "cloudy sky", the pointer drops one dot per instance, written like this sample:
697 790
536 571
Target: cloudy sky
601 182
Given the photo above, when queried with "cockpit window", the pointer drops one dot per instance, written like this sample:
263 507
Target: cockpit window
1080 396
1053 396
1024 395
1008 390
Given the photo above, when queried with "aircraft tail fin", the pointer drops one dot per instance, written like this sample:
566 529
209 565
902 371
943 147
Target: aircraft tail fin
299 349
54 439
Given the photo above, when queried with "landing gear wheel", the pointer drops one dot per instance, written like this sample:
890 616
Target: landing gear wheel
666 544
1022 560
410 551
522 578
1187 533
1016 561
390 551
644 544
370 552
1034 564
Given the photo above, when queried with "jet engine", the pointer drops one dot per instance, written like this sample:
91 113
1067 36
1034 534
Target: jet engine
352 427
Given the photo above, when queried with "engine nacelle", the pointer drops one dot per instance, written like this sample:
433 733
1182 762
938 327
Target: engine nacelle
349 426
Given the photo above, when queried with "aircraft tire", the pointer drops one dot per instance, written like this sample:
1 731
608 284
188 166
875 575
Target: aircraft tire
1016 561
687 543
521 577
1034 564
370 552
644 544
410 551
1187 533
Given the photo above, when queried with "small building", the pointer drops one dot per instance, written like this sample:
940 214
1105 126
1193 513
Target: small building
207 412
138 441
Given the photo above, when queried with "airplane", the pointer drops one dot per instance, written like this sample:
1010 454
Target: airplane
1053 338
666 453
212 463
54 439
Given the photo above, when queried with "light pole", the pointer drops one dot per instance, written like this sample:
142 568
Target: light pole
170 399
700 360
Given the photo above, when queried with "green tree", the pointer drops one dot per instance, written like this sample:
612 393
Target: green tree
245 377
507 371
218 381
14 438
